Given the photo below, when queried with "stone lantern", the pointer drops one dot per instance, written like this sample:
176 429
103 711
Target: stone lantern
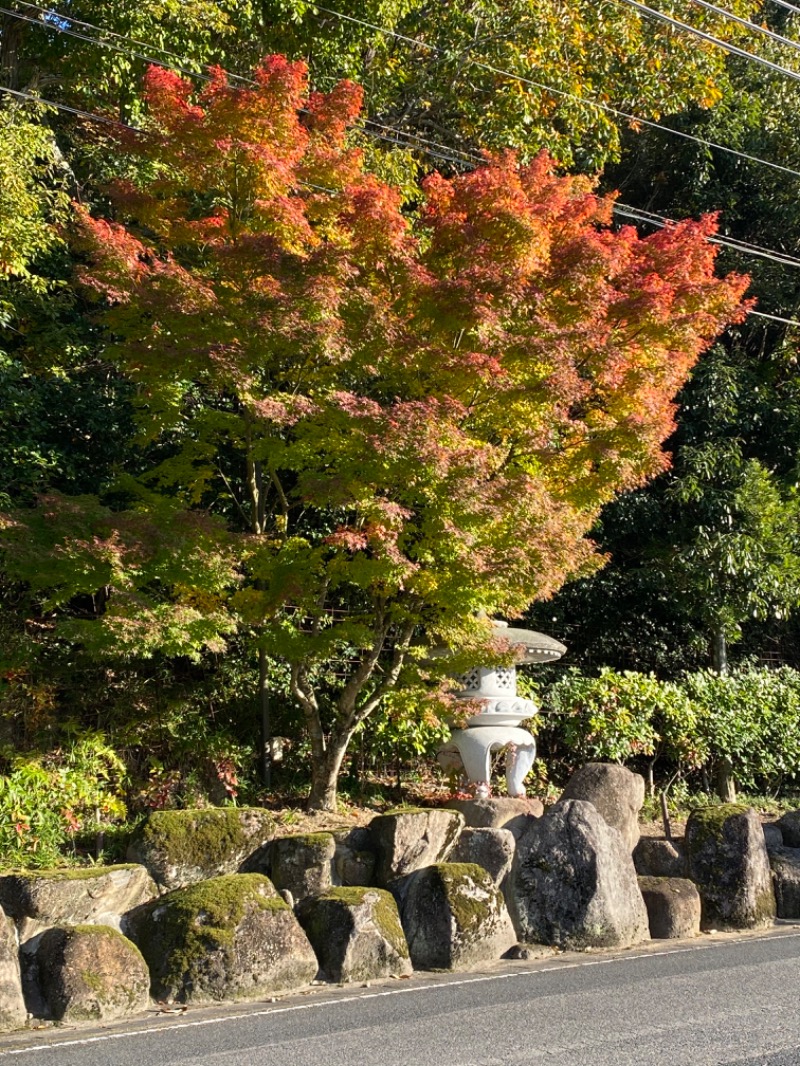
496 721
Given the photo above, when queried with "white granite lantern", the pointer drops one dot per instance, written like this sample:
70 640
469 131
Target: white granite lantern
499 710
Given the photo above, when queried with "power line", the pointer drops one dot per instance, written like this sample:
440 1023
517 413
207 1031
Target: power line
746 23
42 24
617 112
775 318
52 13
453 155
789 7
93 116
644 216
741 247
709 38
732 241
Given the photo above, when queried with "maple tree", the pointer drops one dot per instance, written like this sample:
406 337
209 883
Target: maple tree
357 428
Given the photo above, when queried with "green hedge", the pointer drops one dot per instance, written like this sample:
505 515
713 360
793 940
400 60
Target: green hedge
750 717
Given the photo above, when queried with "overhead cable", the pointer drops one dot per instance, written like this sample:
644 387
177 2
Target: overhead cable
637 215
454 155
51 13
730 240
710 38
789 7
42 24
764 30
643 216
617 112
736 246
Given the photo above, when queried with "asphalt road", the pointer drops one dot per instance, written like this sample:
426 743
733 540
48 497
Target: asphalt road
732 1001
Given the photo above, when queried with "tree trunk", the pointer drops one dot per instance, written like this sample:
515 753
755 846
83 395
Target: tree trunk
266 728
726 785
325 775
10 41
719 652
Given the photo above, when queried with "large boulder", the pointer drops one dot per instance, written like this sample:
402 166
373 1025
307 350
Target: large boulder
454 917
408 840
773 837
658 857
354 858
40 899
491 849
673 907
785 863
727 859
12 1004
356 934
617 793
303 864
227 938
182 847
573 883
498 812
90 973
789 825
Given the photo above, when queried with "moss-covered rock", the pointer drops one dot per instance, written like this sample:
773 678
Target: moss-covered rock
408 840
182 847
454 917
303 864
727 859
356 934
40 899
230 937
90 973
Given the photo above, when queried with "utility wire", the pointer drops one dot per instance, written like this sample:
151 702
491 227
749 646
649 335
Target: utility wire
789 7
617 112
775 318
42 24
730 240
749 25
451 156
708 37
454 155
647 217
61 18
66 107
642 216
736 246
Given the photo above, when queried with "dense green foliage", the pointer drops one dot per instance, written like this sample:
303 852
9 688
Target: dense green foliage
749 717
705 556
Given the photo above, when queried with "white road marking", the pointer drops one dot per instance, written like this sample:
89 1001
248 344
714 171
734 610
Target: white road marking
131 1034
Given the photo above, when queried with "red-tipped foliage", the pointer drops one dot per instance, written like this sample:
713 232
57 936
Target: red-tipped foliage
419 421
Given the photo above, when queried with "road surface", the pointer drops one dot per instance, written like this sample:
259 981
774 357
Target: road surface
718 1000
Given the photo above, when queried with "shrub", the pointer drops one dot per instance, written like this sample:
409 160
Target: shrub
47 799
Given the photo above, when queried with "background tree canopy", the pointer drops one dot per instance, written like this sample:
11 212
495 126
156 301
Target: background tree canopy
272 362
